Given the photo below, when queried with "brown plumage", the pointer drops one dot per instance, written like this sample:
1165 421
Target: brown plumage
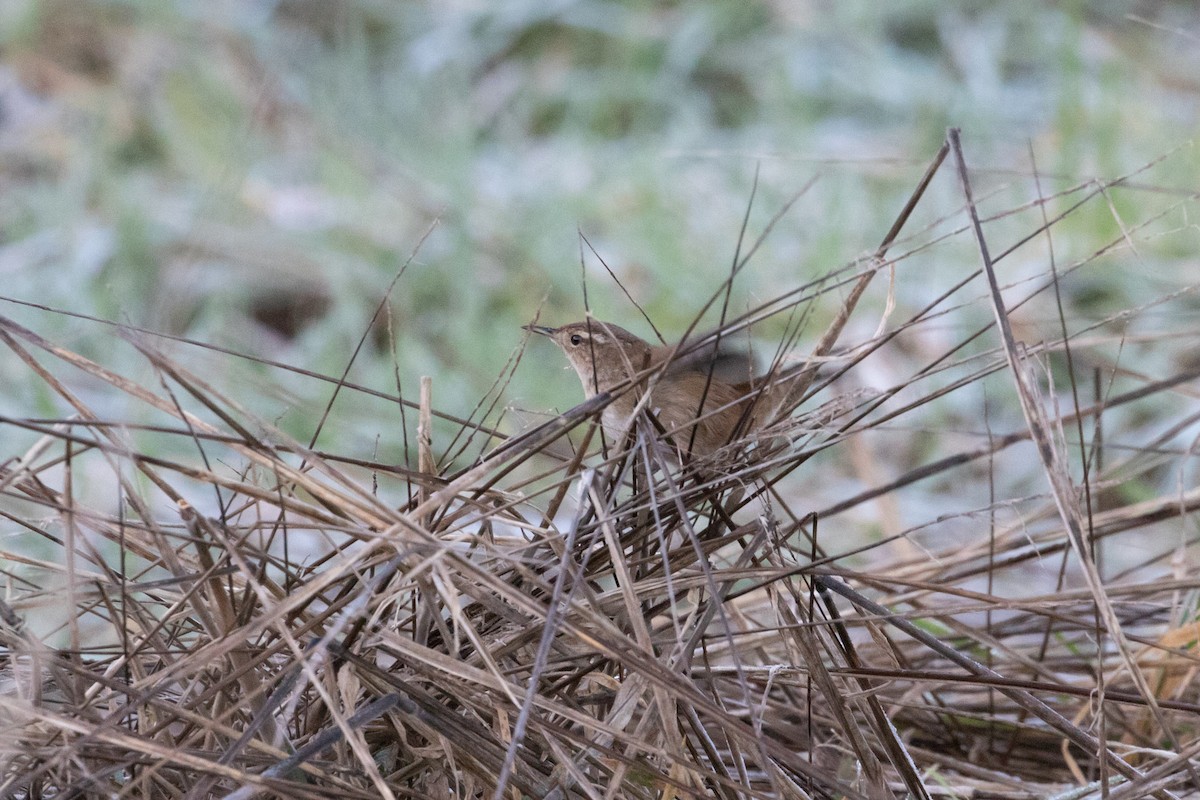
700 413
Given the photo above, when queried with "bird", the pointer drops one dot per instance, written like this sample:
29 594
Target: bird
698 412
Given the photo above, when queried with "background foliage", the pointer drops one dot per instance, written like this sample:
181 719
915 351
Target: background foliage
256 178
253 174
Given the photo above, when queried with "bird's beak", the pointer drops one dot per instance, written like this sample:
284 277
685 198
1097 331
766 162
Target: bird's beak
542 329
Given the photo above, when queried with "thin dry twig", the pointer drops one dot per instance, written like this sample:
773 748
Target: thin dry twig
199 605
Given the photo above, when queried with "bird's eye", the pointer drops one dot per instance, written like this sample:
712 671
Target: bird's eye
576 339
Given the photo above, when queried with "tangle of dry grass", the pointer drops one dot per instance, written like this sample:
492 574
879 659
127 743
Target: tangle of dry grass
263 618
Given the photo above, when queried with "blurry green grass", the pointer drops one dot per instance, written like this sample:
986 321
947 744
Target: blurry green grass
209 173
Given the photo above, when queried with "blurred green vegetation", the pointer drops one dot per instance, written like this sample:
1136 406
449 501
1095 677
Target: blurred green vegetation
254 174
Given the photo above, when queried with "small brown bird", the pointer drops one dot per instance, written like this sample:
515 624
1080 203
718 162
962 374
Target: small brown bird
700 413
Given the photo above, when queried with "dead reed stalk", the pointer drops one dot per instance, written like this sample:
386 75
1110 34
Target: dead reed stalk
199 605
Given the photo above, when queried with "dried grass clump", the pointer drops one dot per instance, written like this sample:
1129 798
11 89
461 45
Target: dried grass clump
611 624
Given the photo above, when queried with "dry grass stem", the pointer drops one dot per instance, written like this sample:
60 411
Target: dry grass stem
958 563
